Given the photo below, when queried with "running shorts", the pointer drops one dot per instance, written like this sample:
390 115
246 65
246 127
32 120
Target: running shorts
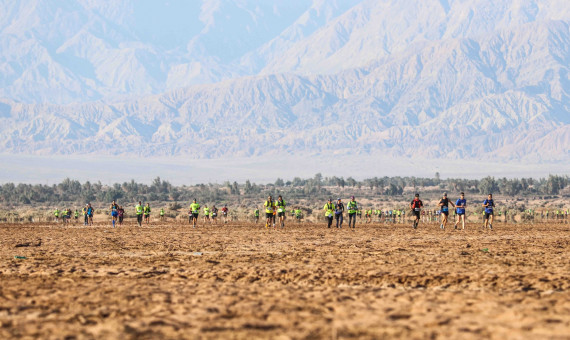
195 215
487 214
416 213
281 214
268 215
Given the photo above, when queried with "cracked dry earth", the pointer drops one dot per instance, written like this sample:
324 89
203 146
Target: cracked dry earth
240 281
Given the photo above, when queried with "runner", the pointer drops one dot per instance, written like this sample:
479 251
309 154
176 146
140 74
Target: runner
76 216
256 215
85 218
352 208
114 212
146 211
121 212
338 211
329 209
56 214
206 214
225 213
444 206
460 206
269 207
281 211
214 214
274 215
161 214
416 206
298 214
139 212
193 213
489 205
68 215
90 212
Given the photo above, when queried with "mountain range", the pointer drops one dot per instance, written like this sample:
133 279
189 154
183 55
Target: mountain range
463 79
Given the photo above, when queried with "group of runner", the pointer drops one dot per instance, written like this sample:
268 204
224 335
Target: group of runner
460 208
276 210
65 215
142 212
272 211
335 211
210 214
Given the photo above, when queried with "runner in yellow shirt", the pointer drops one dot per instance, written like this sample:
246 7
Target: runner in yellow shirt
329 211
280 211
269 207
194 211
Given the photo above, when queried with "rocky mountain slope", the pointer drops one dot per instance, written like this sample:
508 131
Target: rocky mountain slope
436 79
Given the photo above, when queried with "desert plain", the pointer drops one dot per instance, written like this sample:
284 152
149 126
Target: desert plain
240 280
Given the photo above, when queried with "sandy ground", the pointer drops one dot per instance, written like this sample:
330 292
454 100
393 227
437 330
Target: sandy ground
241 281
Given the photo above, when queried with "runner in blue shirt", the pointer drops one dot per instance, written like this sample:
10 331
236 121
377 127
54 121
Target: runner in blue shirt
444 210
460 205
489 205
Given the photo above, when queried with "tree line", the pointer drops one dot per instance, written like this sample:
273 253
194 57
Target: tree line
73 191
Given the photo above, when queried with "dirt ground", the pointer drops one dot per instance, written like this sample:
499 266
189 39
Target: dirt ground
241 281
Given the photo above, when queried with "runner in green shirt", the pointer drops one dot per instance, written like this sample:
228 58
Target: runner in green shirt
146 211
256 215
193 213
329 211
206 214
139 212
269 205
280 204
352 208
56 214
298 215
